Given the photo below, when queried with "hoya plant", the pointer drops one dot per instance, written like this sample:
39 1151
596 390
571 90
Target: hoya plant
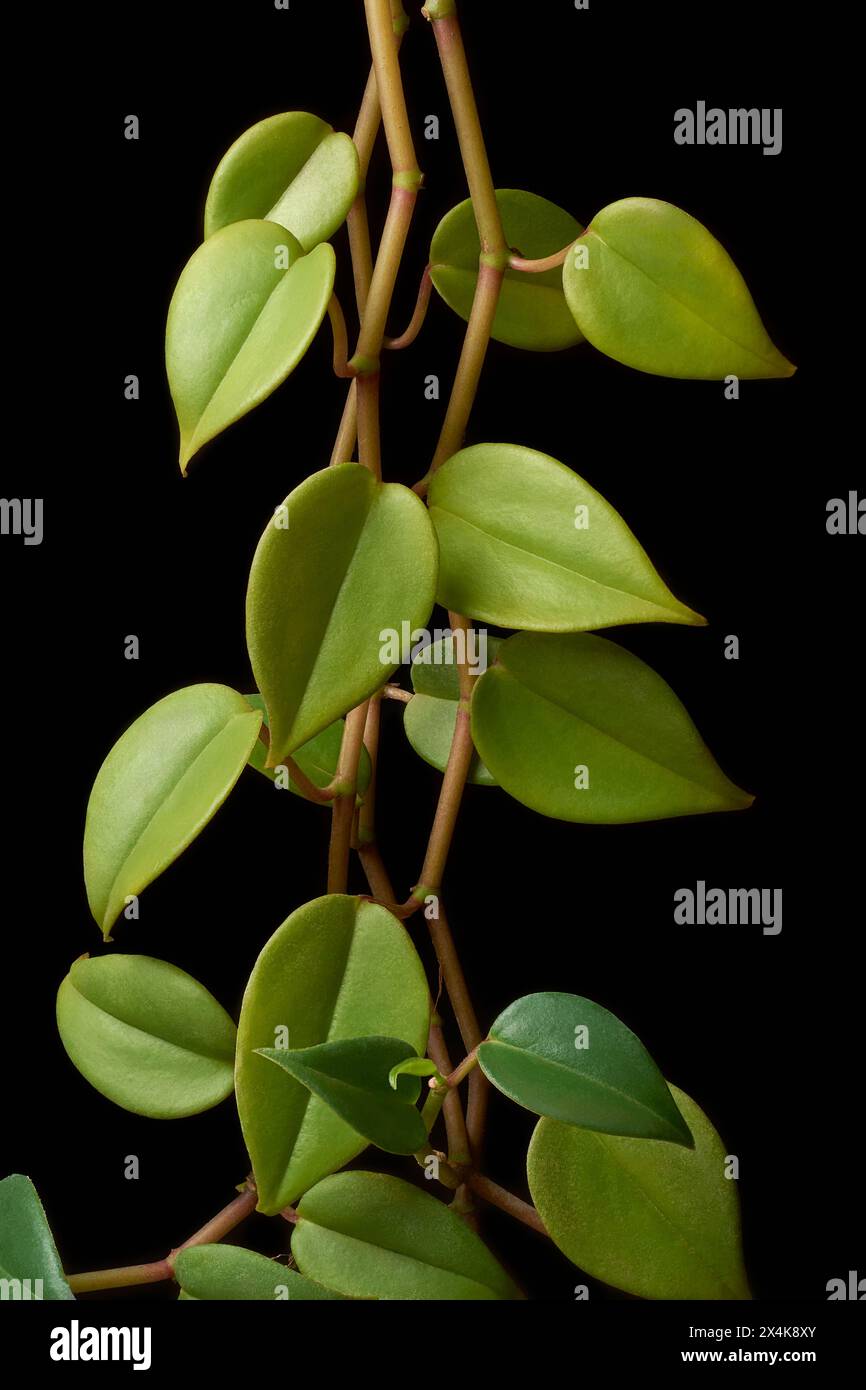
338 1048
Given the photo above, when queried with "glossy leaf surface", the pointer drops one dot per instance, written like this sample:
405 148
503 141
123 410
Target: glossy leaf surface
345 559
244 311
525 543
337 968
532 312
146 1035
159 786
374 1236
27 1249
430 716
649 286
229 1273
318 758
580 729
293 169
564 1056
654 1219
352 1078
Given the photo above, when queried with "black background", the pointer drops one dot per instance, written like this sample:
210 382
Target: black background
728 498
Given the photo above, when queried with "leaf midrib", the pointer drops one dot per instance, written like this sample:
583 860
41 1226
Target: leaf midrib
167 1042
401 1255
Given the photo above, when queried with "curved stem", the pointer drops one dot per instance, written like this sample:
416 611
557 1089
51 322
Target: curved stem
416 323
340 336
543 263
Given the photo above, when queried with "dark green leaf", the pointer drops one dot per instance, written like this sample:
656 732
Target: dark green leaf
526 543
655 1219
580 729
563 1056
649 286
337 968
431 715
146 1035
244 311
345 560
28 1255
159 786
532 312
318 758
229 1273
352 1078
293 169
373 1236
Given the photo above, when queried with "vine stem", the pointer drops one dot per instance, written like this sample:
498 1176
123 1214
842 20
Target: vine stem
506 1201
419 314
543 262
129 1275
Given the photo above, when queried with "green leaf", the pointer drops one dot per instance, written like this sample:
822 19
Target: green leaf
161 783
293 169
345 561
337 968
580 729
649 286
318 758
563 1056
230 1273
373 1236
532 312
413 1066
526 543
27 1249
352 1078
654 1219
146 1035
430 717
244 311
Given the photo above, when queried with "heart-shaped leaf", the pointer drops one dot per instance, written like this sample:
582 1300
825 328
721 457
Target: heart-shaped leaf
230 1273
146 1035
318 758
526 543
580 729
532 312
159 786
244 311
648 285
28 1255
337 968
655 1219
563 1056
343 564
374 1236
352 1078
293 169
430 716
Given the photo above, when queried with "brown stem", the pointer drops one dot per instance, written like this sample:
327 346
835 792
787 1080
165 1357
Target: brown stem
506 1201
542 263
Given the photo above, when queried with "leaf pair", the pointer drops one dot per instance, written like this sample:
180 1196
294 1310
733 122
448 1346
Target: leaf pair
251 299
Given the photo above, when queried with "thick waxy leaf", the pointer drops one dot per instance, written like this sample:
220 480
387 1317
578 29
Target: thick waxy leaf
230 1273
318 758
159 786
352 1078
431 715
244 311
28 1255
563 1056
526 543
293 169
345 562
655 1219
579 729
337 968
648 285
147 1035
532 312
373 1236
